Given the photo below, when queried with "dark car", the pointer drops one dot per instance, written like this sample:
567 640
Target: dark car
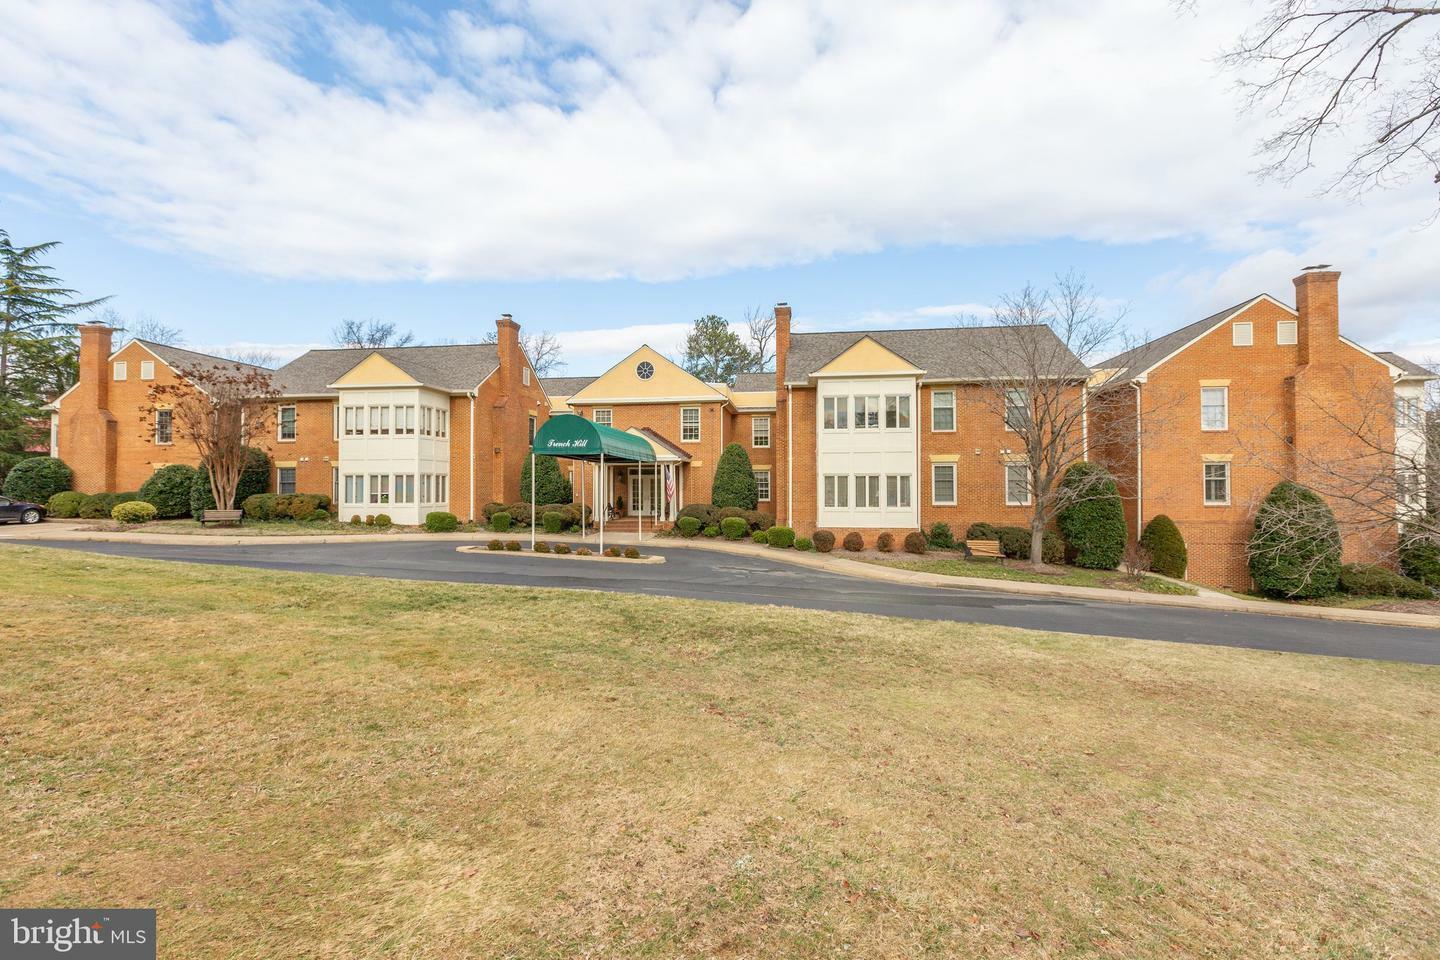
20 511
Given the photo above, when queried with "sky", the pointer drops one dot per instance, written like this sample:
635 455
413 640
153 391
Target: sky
254 171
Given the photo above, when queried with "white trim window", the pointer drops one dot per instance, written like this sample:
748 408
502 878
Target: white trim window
1287 333
147 369
122 370
1017 484
525 376
379 488
404 488
836 413
354 421
867 491
442 481
425 488
334 484
1017 408
867 413
897 411
1409 489
285 422
689 424
442 423
942 484
837 489
1242 334
1407 412
762 485
531 428
604 416
760 432
1214 408
427 419
1217 484
354 488
405 421
335 427
942 411
284 480
897 490
164 426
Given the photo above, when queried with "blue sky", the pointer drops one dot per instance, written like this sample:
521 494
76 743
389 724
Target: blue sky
253 171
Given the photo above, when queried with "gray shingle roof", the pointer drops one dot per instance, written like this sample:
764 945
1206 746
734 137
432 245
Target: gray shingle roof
1411 368
748 382
189 360
944 353
565 386
1137 360
452 367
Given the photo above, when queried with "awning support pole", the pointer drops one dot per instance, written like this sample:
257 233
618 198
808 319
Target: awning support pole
532 501
605 507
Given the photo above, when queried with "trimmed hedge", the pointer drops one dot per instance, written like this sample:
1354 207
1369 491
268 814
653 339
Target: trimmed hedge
1371 580
441 521
710 531
940 536
98 506
1015 541
550 484
541 546
780 537
512 545
1162 539
168 490
1295 549
65 504
915 542
854 542
632 553
133 511
552 521
1420 557
1093 524
734 528
703 512
500 522
383 521
494 545
885 542
824 541
688 526
734 483
37 479
562 548
759 536
491 508
803 544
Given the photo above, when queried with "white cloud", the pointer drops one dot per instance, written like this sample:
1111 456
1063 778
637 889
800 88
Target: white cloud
666 138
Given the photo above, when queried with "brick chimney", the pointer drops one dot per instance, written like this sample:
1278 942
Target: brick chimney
506 413
87 430
1317 301
95 348
507 349
780 429
782 341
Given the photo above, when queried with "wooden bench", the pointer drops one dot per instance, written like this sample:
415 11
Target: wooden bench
984 549
221 516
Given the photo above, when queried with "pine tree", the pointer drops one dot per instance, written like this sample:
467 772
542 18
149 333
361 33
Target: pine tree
550 484
734 484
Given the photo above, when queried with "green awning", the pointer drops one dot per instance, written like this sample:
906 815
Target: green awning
576 438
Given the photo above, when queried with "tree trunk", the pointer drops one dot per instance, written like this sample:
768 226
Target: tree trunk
1037 542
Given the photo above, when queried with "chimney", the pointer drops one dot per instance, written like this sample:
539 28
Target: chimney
1317 301
507 350
95 340
782 341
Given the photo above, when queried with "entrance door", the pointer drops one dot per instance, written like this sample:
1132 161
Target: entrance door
642 493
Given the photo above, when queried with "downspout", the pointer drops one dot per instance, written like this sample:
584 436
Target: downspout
789 456
1084 422
470 510
1139 467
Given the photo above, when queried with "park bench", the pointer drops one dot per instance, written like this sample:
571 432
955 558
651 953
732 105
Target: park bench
221 516
983 549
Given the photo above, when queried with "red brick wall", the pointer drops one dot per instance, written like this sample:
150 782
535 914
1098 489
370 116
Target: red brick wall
664 419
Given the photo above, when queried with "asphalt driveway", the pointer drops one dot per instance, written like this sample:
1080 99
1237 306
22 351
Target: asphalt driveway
706 575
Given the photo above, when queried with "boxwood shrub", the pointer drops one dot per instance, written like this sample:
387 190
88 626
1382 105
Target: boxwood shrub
915 542
553 521
259 506
1093 522
383 521
441 521
632 553
168 490
940 536
704 513
98 506
37 479
65 504
688 526
711 531
500 521
1420 556
1168 556
318 516
734 528
494 545
760 536
854 542
885 542
804 544
1295 549
824 541
781 537
1371 580
133 511
512 545
541 546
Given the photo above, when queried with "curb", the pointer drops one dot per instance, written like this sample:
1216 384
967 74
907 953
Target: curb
470 548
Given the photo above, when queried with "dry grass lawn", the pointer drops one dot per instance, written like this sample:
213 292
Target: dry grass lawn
308 766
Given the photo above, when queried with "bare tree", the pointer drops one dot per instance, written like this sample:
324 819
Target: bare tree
1036 344
760 322
542 349
221 409
142 326
253 356
369 333
1322 67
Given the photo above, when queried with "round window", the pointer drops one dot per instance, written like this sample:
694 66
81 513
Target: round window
645 370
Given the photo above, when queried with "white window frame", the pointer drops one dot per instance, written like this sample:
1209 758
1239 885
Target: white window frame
379 487
1029 491
898 404
897 491
170 416
533 427
404 488
762 485
442 423
835 491
935 470
608 418
280 423
935 405
1242 334
442 493
334 484
147 369
355 488
1407 412
867 491
280 480
867 406
525 376
757 438
1282 327
683 437
834 410
121 371
1205 482
405 420
1225 408
1023 406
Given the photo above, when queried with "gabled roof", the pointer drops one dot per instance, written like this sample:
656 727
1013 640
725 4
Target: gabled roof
181 359
755 382
944 353
564 386
1410 370
656 439
1138 360
454 367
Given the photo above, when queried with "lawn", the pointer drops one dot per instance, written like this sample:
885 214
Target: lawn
254 528
303 766
956 565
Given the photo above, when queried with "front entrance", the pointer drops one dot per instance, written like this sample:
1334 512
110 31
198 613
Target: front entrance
642 498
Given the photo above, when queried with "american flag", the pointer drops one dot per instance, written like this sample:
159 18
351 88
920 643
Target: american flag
669 484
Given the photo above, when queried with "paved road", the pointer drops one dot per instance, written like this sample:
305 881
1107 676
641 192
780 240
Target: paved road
709 575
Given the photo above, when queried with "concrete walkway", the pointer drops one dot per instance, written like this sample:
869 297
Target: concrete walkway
79 531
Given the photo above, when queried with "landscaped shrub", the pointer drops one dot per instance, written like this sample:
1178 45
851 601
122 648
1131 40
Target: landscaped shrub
65 504
259 506
854 542
553 522
500 522
915 542
318 516
759 519
734 527
37 479
734 483
494 545
562 548
584 552
1015 542
550 484
703 512
355 520
612 551
804 544
781 537
688 526
1162 539
632 553
541 547
491 508
1420 556
168 490
298 506
520 513
383 521
824 541
1295 549
760 536
885 542
98 506
982 531
1371 580
711 531
254 478
512 545
940 536
441 521
134 511
1093 521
